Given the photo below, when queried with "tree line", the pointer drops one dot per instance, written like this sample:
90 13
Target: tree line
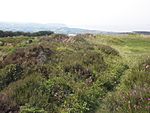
20 33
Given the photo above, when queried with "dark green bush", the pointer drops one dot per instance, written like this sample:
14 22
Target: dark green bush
94 60
84 101
57 90
53 94
9 74
91 60
34 92
26 89
82 72
19 33
108 50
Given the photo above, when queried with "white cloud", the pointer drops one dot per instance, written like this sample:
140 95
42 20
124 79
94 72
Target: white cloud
77 12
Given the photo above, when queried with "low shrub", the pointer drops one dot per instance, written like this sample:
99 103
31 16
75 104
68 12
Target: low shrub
7 105
53 94
26 89
135 100
56 91
94 60
132 94
29 56
9 74
60 38
82 73
108 50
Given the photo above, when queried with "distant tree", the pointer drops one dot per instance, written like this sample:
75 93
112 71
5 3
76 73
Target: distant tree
1 33
19 33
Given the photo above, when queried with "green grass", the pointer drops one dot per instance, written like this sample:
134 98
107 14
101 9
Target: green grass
129 46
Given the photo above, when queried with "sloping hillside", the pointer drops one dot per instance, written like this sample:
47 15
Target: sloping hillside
81 74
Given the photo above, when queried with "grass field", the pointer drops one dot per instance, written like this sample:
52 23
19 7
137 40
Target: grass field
131 47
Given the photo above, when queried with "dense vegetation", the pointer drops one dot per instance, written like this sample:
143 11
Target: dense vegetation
20 33
81 74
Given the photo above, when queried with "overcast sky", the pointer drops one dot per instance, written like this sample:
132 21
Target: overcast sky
110 15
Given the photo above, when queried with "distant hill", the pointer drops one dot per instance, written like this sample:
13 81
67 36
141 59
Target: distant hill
57 28
34 27
142 32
